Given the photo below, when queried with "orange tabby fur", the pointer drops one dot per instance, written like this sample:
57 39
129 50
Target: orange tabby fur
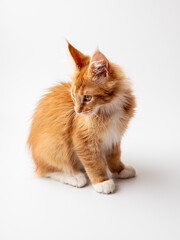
67 132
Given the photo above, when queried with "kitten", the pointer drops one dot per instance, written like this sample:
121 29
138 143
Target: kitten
81 123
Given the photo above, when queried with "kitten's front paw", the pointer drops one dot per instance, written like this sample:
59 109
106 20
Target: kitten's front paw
107 186
81 180
127 172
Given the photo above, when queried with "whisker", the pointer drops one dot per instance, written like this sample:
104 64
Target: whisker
101 120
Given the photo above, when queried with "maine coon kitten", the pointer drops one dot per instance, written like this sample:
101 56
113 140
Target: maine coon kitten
81 123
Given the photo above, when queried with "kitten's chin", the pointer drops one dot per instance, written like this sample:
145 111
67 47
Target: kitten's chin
84 114
89 113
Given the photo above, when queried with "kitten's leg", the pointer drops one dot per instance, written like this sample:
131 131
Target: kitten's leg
115 165
77 179
96 169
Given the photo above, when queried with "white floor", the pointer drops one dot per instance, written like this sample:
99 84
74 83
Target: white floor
143 37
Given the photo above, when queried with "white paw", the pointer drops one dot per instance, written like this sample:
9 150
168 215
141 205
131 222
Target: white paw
127 172
107 186
77 180
81 180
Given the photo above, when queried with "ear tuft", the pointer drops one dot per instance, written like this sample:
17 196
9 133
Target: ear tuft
79 58
99 67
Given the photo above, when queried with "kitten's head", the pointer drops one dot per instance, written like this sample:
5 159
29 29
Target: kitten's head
96 82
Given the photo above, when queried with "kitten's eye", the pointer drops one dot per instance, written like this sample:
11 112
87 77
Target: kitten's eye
72 94
87 98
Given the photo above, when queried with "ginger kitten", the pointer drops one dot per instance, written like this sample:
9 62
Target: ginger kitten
81 123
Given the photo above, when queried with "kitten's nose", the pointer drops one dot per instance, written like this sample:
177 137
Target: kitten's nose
78 110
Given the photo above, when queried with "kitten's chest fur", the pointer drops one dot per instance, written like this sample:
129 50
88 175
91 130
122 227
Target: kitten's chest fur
112 134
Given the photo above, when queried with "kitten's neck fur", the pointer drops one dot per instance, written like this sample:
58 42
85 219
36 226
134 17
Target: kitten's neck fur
114 107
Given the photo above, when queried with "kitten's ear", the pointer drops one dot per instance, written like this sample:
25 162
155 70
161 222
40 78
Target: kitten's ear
79 58
99 68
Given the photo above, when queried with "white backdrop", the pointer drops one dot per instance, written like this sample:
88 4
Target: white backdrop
143 37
